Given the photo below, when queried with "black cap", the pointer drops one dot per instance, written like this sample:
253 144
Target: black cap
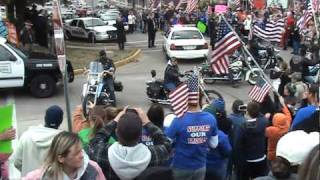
53 117
102 53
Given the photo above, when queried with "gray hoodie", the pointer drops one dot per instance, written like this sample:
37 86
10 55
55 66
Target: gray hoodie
32 148
129 162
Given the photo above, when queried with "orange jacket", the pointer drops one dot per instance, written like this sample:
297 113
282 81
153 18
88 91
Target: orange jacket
78 121
280 126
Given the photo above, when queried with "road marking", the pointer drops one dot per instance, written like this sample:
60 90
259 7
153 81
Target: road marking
13 172
151 50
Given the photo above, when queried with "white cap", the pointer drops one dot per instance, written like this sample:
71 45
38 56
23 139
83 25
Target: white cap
296 145
168 120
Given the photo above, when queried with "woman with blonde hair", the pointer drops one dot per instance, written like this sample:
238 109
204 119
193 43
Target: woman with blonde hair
67 161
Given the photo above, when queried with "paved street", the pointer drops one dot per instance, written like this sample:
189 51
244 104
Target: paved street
30 111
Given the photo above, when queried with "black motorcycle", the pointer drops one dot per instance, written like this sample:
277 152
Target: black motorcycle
157 93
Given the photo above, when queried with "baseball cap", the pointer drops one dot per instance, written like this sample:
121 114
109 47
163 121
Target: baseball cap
53 117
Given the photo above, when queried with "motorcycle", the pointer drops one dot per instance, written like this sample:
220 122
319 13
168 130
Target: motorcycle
93 90
157 93
239 68
269 57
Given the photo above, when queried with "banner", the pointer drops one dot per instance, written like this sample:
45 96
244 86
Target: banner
220 9
271 3
6 123
58 35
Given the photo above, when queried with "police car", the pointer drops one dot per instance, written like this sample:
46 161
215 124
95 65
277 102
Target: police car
185 42
37 72
92 29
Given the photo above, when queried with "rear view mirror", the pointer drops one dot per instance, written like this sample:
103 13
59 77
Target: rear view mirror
12 58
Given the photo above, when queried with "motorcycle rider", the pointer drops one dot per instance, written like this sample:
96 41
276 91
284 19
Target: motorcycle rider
254 48
109 68
172 74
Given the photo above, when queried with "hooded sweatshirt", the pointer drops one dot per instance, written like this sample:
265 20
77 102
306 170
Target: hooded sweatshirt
280 126
129 162
32 148
88 170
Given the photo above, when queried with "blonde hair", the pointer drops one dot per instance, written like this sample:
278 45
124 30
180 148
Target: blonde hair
60 146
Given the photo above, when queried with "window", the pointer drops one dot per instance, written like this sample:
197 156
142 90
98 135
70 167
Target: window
74 23
167 34
4 54
186 34
81 25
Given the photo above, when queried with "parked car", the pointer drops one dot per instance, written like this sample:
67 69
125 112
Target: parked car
37 72
92 29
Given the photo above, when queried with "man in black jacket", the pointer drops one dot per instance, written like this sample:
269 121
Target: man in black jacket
121 35
152 29
127 158
171 75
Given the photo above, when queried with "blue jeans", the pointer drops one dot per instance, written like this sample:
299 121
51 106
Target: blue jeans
109 86
189 174
296 46
170 86
217 173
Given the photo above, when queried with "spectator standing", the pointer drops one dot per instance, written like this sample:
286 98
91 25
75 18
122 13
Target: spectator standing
128 158
295 40
6 135
152 29
193 134
251 143
26 37
306 118
34 143
121 35
66 160
280 126
131 21
292 149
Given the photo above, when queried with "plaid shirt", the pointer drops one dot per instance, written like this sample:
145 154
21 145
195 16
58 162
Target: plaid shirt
98 148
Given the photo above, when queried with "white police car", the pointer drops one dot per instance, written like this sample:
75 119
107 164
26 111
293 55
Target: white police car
185 42
93 29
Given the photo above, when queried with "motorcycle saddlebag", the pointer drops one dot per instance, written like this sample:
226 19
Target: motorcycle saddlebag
118 86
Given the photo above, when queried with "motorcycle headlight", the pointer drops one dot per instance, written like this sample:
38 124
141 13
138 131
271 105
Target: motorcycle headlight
92 81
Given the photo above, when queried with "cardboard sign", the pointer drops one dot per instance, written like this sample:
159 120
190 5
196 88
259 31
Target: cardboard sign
6 123
220 9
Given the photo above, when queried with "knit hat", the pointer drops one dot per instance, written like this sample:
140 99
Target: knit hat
219 105
53 117
296 145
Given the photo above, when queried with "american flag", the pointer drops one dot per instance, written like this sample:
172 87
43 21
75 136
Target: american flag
191 5
226 43
238 3
180 3
270 31
193 86
315 5
260 90
251 4
307 16
183 95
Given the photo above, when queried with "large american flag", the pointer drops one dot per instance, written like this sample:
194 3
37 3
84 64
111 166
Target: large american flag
307 16
270 31
180 3
260 90
191 5
226 43
183 95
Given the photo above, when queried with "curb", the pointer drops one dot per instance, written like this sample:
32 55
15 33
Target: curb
132 57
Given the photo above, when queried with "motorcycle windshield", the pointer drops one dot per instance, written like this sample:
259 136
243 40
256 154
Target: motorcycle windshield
95 67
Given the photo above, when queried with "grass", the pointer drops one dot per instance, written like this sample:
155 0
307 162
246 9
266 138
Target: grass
82 57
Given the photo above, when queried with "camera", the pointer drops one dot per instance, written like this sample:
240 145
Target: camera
242 107
132 110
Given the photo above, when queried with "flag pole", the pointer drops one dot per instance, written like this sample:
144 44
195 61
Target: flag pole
315 20
247 51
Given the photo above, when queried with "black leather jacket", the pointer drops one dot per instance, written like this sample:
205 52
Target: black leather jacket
171 74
